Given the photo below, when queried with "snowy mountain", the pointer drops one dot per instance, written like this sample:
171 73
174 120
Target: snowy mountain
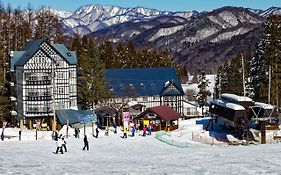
197 40
91 18
271 11
202 41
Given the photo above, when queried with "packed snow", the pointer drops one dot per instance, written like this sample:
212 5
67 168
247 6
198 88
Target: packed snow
134 155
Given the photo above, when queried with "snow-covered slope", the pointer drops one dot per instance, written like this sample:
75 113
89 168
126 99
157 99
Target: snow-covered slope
134 155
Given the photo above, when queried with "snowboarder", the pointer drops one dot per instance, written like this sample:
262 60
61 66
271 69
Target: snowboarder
64 144
97 132
59 146
86 143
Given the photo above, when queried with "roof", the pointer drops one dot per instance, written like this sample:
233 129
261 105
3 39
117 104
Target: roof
19 58
226 104
73 116
142 81
105 111
163 112
235 98
69 55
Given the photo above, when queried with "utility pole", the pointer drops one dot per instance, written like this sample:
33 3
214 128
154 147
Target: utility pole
53 94
269 83
243 72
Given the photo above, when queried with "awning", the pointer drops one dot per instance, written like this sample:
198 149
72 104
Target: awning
73 116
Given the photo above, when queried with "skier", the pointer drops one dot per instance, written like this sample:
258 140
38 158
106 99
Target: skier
144 130
133 131
55 136
125 133
59 146
86 143
19 135
97 132
2 135
64 144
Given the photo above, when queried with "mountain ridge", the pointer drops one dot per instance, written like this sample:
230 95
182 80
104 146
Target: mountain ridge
202 40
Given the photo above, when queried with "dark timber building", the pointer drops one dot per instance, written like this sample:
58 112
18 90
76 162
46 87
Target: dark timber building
43 79
149 87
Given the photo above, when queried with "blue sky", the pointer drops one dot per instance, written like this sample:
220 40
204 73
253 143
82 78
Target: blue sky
169 5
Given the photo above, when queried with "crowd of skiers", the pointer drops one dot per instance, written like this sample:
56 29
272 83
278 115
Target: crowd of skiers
61 143
146 130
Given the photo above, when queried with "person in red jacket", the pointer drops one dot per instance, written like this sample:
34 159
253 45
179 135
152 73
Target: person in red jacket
144 130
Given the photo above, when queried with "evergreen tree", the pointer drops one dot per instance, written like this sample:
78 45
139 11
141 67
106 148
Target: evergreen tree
203 93
4 93
91 83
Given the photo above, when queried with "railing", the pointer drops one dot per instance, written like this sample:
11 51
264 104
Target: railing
39 98
38 82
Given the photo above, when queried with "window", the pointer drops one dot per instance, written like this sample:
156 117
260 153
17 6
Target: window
60 75
61 90
33 93
145 99
72 74
71 88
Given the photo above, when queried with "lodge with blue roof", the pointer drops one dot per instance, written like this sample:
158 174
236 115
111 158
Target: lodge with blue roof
147 86
43 79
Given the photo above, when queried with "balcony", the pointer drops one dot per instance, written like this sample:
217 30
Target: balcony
39 98
38 82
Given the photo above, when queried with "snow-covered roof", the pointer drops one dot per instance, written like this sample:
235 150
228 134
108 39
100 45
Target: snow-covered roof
233 97
264 105
228 105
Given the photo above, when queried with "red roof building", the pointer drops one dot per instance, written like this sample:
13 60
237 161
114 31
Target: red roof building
161 117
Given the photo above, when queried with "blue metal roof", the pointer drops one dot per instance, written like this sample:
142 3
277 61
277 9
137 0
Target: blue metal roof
21 57
69 55
15 58
73 116
141 81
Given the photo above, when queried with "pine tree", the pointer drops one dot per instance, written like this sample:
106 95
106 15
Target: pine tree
91 83
203 93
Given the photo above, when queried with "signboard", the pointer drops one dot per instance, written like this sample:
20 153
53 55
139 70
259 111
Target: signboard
146 122
126 116
88 118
